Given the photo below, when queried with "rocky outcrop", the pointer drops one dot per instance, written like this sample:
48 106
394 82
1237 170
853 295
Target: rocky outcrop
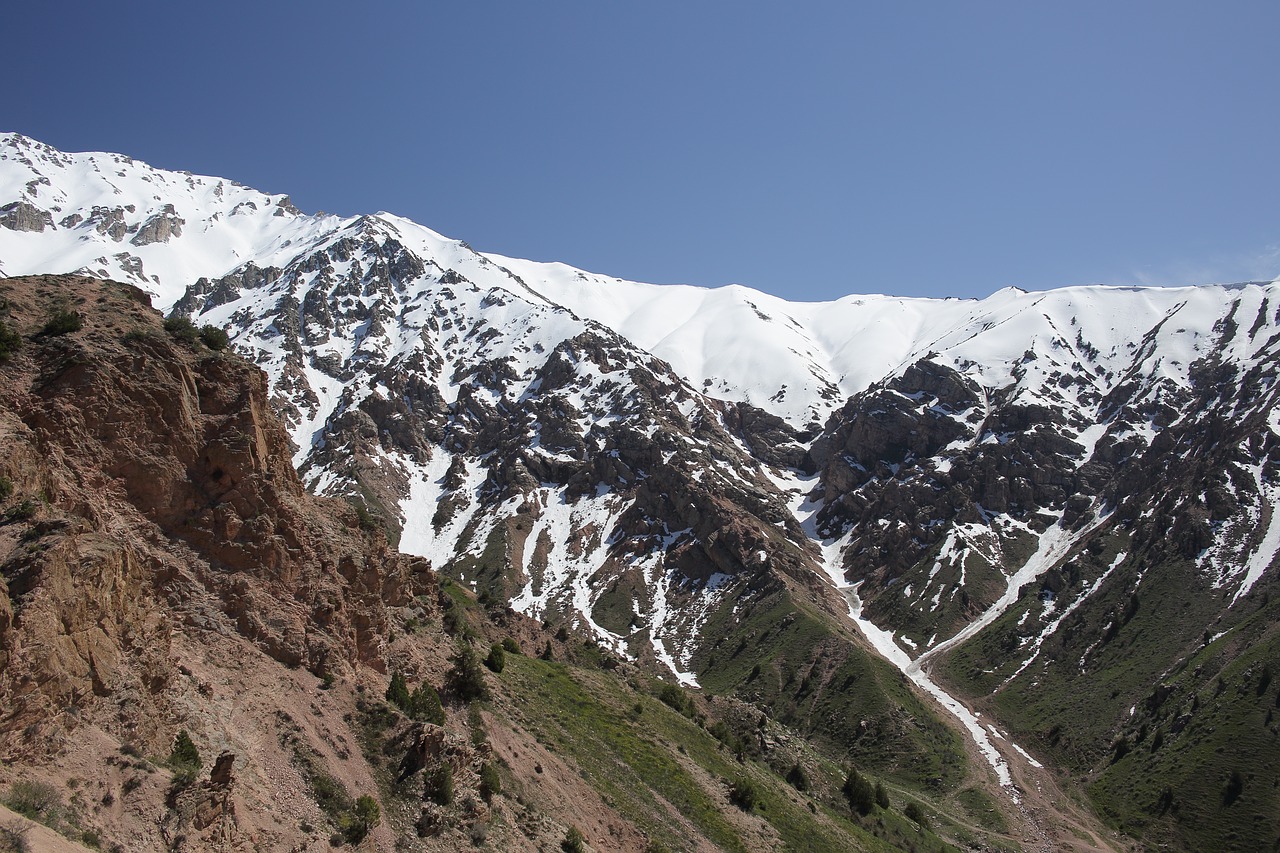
160 227
150 486
24 216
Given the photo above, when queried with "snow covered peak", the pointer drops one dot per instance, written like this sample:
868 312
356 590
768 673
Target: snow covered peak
112 216
109 215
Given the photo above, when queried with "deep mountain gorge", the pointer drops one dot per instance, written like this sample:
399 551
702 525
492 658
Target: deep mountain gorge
1010 557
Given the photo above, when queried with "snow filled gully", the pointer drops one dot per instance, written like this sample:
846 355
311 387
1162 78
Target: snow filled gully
1055 543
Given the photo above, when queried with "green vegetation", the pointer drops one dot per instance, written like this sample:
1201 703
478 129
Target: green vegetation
588 718
184 753
574 842
423 704
181 329
1175 733
497 659
13 837
487 572
859 792
184 761
38 801
743 794
466 677
490 782
352 819
791 661
23 510
62 321
438 784
214 338
982 809
10 342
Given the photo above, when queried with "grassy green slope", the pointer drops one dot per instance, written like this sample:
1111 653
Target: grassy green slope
1129 698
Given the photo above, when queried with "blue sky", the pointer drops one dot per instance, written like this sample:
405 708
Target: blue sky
809 149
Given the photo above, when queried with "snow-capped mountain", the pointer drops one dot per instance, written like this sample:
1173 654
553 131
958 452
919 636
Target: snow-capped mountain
990 483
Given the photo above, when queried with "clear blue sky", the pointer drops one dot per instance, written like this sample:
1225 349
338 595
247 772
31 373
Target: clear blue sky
809 149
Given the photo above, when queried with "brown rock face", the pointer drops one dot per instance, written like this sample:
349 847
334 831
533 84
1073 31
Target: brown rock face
149 488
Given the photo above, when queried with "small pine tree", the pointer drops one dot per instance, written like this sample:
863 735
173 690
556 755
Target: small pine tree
398 691
466 678
547 654
859 792
490 782
424 705
916 814
184 754
497 659
574 841
882 796
510 645
438 784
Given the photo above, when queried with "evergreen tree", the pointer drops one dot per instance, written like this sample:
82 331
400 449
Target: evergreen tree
424 705
466 678
184 756
859 792
398 691
438 786
490 782
797 778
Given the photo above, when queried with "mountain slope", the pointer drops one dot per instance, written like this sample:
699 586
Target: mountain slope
163 571
983 488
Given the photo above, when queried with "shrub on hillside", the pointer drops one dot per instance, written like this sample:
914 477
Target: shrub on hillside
466 678
182 329
438 784
10 342
38 801
424 705
574 841
62 321
859 792
490 782
184 755
743 794
214 338
363 817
